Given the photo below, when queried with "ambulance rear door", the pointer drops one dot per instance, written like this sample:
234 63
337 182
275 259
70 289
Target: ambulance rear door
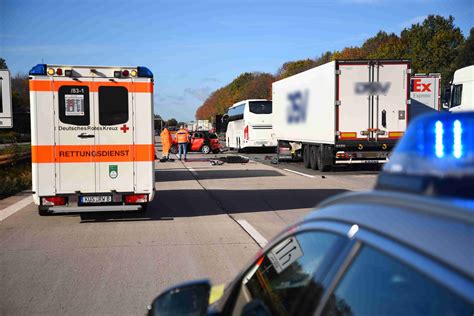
114 135
75 135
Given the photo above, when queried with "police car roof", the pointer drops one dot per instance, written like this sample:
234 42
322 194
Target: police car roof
438 227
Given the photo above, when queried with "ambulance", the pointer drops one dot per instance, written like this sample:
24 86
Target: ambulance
91 138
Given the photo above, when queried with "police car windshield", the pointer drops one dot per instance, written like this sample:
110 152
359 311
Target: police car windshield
436 145
260 107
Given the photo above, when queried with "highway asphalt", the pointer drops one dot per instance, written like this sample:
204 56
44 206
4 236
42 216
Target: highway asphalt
205 222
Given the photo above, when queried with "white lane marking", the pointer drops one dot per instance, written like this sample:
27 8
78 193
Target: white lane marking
261 241
12 209
300 173
193 171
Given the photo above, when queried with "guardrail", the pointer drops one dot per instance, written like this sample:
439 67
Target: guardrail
11 158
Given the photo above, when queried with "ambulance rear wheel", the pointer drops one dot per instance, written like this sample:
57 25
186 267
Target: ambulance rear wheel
313 157
306 153
144 208
205 149
174 149
43 210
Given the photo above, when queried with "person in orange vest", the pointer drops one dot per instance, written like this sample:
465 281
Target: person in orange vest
183 138
165 142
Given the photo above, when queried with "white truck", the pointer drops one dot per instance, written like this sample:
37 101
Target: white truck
342 112
6 118
425 94
462 90
91 138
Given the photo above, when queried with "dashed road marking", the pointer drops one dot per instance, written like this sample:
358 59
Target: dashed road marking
259 239
300 173
12 209
193 171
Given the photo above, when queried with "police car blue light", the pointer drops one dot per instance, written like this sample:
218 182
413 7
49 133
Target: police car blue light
435 157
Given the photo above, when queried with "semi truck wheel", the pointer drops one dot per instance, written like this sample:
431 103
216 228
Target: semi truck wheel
306 154
323 164
313 157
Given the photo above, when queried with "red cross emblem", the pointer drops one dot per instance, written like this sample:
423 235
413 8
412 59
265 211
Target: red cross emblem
124 128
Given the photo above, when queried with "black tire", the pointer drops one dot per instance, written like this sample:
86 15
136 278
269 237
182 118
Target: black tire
205 149
43 210
322 160
306 153
313 157
144 208
174 149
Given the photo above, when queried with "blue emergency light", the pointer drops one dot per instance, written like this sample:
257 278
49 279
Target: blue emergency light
144 72
435 155
38 70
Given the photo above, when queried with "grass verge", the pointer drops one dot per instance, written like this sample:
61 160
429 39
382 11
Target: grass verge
15 178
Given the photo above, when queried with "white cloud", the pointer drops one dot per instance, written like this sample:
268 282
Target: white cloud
415 20
200 93
211 79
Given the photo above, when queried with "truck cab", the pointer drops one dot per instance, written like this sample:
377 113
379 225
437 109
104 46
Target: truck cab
461 96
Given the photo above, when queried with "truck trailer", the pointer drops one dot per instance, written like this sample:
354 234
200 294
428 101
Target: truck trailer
342 112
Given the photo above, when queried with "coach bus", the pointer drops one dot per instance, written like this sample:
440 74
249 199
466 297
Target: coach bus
250 125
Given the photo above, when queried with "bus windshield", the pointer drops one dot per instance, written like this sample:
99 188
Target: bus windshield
260 107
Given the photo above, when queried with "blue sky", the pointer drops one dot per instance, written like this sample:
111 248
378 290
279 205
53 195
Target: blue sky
194 47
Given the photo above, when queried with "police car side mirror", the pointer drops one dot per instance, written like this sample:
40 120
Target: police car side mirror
186 299
445 105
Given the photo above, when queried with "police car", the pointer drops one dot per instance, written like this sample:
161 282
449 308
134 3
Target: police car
406 248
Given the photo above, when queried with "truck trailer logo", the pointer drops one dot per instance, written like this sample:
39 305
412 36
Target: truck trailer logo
372 88
296 110
418 86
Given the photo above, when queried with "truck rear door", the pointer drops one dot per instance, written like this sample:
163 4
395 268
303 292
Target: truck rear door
75 136
115 135
372 98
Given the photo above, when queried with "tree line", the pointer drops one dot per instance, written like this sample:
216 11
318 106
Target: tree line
435 45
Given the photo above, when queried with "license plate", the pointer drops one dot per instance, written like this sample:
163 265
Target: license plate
96 199
371 161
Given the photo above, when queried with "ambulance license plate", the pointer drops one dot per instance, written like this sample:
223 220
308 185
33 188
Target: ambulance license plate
93 199
371 161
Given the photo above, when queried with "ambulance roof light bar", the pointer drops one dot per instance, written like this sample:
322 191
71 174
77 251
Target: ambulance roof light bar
38 70
144 72
41 70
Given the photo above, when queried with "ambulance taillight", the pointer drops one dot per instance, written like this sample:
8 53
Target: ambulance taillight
136 198
54 200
